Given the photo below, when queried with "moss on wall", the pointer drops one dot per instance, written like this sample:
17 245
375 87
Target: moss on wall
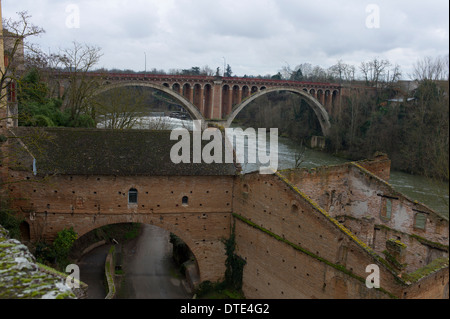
22 278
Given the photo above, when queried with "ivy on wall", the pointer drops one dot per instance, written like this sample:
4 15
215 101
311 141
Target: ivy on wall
234 264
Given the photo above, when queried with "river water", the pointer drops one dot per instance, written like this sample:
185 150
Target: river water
432 193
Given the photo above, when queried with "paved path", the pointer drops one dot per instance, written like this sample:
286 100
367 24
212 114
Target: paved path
92 271
149 270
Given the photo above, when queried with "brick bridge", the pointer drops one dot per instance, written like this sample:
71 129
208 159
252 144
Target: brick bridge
220 99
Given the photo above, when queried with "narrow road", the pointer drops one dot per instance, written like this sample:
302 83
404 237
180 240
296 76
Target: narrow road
149 269
92 271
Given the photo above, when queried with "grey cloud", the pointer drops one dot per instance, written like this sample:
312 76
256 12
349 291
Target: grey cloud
255 36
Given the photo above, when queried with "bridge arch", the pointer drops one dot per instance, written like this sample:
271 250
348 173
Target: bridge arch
154 221
190 108
318 109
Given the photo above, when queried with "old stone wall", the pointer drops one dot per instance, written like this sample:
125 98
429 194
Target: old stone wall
294 247
433 286
197 209
368 206
276 270
328 186
274 206
21 277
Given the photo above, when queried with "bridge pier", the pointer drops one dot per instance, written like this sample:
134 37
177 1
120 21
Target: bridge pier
217 100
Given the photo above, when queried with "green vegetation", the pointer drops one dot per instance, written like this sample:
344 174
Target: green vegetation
410 125
231 287
219 290
23 278
287 111
62 245
234 264
10 220
36 108
435 265
57 254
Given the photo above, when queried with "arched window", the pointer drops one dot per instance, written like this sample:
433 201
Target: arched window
420 220
132 196
185 200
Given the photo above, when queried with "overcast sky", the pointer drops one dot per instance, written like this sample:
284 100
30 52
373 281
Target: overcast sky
256 37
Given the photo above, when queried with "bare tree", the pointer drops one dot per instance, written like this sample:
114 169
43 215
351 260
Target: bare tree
286 72
160 123
374 71
14 34
206 70
431 69
78 61
342 72
299 156
118 109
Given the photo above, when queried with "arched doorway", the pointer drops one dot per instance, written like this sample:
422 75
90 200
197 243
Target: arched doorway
148 262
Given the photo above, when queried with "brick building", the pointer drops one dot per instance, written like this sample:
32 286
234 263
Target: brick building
303 233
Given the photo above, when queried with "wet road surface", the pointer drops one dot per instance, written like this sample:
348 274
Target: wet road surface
92 271
149 271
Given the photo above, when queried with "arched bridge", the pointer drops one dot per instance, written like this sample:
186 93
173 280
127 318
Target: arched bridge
220 99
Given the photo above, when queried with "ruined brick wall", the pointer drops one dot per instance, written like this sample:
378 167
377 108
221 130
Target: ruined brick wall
373 210
293 247
434 286
328 186
88 202
276 270
333 187
418 252
327 263
391 215
380 166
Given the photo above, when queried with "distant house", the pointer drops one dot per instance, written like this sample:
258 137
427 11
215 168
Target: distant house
404 92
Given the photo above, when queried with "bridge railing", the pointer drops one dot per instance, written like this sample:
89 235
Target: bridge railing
143 76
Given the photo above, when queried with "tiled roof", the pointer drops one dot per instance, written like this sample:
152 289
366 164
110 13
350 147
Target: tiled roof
71 151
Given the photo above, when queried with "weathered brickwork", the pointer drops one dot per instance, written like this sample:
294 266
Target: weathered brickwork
88 202
374 211
303 233
275 270
357 237
271 204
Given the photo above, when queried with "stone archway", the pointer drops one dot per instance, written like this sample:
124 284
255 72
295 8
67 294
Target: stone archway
318 109
184 236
